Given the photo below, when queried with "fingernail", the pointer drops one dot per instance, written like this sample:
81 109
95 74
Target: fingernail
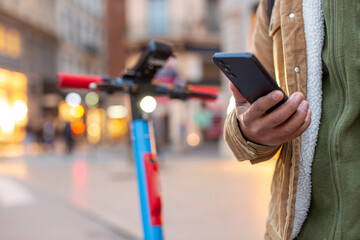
303 106
298 97
293 96
277 96
308 114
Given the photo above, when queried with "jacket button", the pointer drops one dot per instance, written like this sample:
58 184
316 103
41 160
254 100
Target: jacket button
296 69
291 15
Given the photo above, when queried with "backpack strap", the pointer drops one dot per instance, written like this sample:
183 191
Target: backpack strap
270 7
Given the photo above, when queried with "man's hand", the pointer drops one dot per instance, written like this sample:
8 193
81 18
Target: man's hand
285 123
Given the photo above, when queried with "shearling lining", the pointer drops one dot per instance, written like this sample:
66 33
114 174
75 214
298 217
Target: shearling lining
314 35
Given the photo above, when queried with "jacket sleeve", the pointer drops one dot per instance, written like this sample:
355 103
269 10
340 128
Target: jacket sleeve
242 148
262 48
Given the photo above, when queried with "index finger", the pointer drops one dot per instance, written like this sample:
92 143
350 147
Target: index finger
239 98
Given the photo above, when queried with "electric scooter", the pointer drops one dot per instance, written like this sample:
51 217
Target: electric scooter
138 83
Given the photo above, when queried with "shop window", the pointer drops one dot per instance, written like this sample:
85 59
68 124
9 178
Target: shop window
13 106
158 16
13 43
213 15
10 42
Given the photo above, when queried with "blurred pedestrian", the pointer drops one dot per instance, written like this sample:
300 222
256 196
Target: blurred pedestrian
312 49
68 137
37 128
48 134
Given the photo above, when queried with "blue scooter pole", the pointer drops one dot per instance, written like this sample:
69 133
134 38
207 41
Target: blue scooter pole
147 169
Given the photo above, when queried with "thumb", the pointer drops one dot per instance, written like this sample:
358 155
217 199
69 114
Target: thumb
239 98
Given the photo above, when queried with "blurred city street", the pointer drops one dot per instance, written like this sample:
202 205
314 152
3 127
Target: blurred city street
92 194
66 168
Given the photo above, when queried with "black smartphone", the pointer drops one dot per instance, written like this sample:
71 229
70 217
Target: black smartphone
248 75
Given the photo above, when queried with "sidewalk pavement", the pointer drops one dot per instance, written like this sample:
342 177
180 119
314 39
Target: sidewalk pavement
204 196
30 214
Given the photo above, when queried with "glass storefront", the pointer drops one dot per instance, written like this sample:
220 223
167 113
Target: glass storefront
13 106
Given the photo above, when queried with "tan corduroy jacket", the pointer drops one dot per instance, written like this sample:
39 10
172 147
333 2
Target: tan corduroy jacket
279 44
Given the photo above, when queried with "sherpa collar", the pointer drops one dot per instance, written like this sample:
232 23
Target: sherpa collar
314 36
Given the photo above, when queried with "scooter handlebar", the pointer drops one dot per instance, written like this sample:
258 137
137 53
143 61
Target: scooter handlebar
203 93
66 80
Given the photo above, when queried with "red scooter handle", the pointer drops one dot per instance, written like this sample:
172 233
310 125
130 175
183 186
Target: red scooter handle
66 80
203 93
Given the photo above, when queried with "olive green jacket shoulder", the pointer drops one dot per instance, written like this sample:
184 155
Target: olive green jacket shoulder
289 45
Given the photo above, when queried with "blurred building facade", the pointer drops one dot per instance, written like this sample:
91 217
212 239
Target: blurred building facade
115 26
91 42
39 13
28 46
237 22
39 38
192 27
81 30
237 19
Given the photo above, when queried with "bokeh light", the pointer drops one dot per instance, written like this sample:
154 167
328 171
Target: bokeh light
95 122
117 127
7 121
117 111
193 139
94 130
91 99
73 99
65 111
78 111
20 111
148 104
78 128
